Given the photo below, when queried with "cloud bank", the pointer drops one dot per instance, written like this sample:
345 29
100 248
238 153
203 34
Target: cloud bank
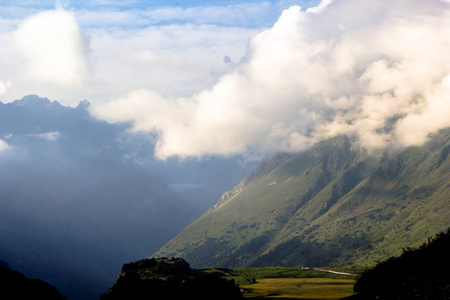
375 69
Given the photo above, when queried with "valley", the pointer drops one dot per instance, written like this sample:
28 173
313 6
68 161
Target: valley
337 205
418 273
80 196
225 150
293 283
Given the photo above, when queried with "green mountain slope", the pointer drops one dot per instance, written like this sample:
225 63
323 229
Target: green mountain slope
334 204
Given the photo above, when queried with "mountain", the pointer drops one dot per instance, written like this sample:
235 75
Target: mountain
80 196
333 205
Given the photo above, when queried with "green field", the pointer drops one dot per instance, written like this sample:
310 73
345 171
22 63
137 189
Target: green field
288 283
299 288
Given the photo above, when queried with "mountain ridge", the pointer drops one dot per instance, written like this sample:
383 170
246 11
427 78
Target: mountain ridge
334 204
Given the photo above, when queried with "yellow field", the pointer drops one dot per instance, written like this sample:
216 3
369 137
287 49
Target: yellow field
300 288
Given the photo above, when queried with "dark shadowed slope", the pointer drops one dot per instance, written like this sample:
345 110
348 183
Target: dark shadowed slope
15 285
419 273
164 278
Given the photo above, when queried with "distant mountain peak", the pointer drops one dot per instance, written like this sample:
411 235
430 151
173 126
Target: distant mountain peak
31 100
83 104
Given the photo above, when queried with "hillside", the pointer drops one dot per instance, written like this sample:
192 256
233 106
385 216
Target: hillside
420 273
164 278
14 285
335 204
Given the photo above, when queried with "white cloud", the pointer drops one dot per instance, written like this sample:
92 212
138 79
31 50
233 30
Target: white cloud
48 136
322 5
173 60
434 115
4 86
4 146
372 68
126 52
53 46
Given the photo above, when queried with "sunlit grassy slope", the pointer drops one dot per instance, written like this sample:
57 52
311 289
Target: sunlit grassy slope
335 204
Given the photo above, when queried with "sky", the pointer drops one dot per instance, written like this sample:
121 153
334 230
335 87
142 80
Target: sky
101 50
231 77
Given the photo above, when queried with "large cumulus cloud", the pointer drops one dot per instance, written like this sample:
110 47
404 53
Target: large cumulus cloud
53 47
375 69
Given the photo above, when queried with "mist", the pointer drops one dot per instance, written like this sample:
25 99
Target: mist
81 197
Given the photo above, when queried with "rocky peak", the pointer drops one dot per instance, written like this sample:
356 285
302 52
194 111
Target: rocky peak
31 100
84 104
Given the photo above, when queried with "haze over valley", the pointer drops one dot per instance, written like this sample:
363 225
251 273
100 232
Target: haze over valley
80 196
